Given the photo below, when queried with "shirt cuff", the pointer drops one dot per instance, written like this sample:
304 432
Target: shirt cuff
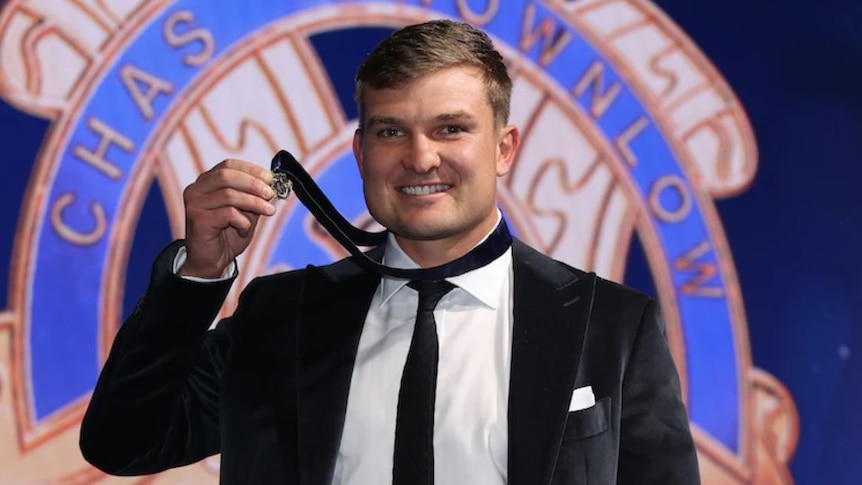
180 259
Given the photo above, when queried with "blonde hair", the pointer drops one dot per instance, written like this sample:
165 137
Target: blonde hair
424 48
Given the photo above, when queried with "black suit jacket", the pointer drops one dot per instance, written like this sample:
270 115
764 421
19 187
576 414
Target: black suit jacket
268 387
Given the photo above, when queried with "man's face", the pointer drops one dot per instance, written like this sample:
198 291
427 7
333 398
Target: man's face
429 154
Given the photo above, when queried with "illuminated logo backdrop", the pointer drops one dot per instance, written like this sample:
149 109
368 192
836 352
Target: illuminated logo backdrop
628 132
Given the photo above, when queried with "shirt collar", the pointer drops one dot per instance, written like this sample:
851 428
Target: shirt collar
481 283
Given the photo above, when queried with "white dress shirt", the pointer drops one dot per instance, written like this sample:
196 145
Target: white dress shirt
474 328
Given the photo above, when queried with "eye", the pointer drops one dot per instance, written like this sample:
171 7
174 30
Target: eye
389 132
452 129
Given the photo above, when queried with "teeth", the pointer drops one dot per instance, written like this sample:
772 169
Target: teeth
425 189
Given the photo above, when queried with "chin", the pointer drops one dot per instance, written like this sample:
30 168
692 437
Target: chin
423 232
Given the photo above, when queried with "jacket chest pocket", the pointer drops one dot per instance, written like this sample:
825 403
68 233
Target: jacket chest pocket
588 452
588 422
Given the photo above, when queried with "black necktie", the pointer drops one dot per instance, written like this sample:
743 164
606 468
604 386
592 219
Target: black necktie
414 423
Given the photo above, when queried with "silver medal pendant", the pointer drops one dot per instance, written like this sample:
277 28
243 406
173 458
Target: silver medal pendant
281 185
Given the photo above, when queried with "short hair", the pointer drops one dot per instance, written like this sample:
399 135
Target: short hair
420 49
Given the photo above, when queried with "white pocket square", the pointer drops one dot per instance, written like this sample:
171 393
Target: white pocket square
582 398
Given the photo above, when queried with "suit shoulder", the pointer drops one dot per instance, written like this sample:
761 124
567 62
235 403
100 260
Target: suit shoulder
621 291
280 278
528 257
605 289
334 270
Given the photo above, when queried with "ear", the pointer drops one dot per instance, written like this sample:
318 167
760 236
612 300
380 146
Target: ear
357 151
507 148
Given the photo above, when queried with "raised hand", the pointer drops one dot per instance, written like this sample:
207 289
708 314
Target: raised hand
222 210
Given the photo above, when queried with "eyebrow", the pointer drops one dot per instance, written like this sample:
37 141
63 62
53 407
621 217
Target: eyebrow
458 115
382 120
391 120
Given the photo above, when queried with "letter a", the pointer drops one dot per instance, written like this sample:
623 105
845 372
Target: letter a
135 79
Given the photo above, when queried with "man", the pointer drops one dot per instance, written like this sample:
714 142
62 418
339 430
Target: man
544 374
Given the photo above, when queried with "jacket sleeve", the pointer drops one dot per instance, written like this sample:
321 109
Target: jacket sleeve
656 445
155 405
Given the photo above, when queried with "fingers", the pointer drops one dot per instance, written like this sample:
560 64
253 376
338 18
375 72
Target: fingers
241 221
232 183
223 207
230 197
252 169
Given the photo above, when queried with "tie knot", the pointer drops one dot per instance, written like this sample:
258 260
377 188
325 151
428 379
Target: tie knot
430 292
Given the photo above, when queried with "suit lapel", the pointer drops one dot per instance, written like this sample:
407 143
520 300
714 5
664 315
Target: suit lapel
551 313
335 304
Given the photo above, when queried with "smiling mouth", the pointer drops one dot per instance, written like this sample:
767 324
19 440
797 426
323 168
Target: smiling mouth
425 189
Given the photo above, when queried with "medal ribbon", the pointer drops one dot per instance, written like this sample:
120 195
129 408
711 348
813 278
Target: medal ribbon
288 175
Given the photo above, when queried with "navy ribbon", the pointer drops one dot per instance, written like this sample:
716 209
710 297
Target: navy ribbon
350 237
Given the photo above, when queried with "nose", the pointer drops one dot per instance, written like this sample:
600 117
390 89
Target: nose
422 157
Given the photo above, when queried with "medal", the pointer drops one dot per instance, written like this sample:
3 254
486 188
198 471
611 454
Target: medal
281 184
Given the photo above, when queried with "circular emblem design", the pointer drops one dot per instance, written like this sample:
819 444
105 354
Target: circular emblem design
628 132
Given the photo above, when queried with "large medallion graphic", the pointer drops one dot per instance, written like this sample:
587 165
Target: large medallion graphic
628 131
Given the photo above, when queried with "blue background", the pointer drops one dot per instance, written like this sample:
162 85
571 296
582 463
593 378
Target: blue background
795 67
